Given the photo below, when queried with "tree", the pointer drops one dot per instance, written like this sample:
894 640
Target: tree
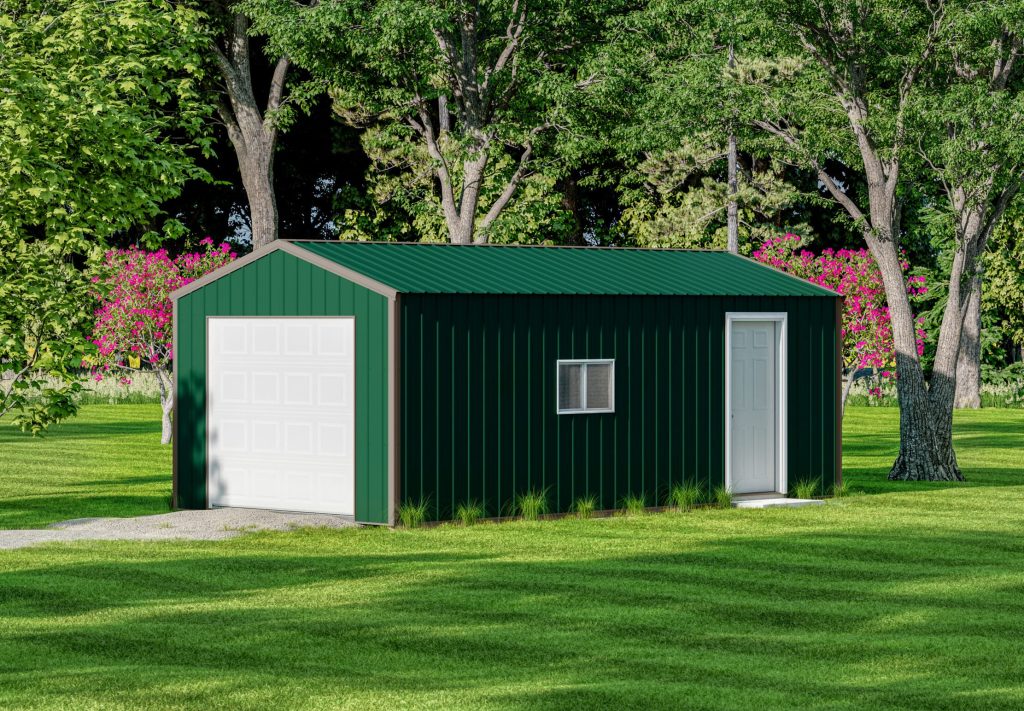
43 322
686 182
677 197
978 160
252 125
866 328
850 82
476 90
133 326
101 118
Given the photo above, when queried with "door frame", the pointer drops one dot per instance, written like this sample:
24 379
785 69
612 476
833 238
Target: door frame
781 393
206 397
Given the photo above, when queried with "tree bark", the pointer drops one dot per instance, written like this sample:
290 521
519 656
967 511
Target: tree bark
968 365
847 387
165 384
926 438
733 208
253 132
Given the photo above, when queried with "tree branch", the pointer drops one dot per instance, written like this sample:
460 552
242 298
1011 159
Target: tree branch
513 33
501 202
277 84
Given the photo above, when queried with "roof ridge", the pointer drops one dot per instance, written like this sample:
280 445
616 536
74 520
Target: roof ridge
589 247
547 269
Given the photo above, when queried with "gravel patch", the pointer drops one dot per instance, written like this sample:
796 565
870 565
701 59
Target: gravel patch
206 525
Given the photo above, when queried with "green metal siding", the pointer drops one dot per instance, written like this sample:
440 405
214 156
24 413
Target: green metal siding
279 284
478 411
504 269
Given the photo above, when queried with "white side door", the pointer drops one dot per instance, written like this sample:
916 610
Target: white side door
281 413
753 389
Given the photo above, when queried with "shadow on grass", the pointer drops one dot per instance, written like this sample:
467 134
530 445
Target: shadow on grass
989 446
42 510
78 428
802 620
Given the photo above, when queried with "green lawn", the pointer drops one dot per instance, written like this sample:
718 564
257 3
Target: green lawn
910 597
106 462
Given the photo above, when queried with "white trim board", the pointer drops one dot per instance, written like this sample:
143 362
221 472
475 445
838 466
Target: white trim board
781 401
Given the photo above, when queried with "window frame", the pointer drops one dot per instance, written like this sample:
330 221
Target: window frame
583 386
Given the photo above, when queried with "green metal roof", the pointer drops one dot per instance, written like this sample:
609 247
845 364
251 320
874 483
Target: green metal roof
505 269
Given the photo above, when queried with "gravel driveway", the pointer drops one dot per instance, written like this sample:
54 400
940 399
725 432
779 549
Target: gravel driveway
208 525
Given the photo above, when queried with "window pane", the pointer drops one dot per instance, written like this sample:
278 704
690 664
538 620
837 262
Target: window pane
599 386
569 390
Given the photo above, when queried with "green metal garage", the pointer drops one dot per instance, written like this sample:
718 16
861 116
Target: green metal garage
345 377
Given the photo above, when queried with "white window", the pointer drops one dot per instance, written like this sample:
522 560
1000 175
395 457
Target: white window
586 386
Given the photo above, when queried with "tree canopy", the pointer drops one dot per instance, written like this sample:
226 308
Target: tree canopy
101 118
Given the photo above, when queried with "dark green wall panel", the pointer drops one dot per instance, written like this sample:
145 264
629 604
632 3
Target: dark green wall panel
478 396
281 285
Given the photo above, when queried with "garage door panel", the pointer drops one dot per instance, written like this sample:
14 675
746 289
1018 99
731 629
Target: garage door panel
266 339
266 388
281 414
298 389
299 339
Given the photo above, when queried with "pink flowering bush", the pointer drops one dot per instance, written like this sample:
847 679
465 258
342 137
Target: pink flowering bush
133 329
866 328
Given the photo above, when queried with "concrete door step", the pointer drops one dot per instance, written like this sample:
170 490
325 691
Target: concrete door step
763 502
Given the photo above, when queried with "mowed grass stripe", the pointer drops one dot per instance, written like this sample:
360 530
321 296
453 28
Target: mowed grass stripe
902 597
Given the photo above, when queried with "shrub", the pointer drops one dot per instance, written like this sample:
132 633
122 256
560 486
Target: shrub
723 497
532 504
840 490
685 496
634 505
805 489
412 514
585 506
469 513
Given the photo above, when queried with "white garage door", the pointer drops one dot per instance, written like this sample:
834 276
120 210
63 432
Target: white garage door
281 413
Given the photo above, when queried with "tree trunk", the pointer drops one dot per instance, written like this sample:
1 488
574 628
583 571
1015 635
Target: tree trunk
846 390
258 179
253 132
926 437
926 414
926 452
571 203
165 384
733 209
462 220
968 365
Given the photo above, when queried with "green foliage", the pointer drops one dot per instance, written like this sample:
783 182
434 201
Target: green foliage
1002 299
532 504
722 496
685 496
101 113
679 198
806 489
413 514
585 506
840 490
101 117
633 505
500 70
44 320
469 513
